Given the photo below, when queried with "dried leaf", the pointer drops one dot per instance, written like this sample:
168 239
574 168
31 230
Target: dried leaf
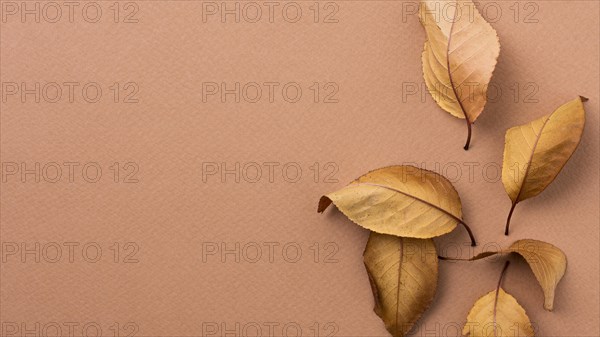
459 57
399 200
497 315
403 275
535 153
547 262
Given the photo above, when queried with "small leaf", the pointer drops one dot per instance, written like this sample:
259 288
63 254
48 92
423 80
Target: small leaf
547 262
399 200
497 314
403 273
535 153
459 57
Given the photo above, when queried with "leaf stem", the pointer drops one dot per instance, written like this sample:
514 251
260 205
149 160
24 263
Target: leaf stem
497 294
502 275
468 134
444 258
474 258
473 242
512 208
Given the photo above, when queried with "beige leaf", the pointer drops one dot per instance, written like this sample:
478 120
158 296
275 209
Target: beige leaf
535 153
399 200
497 314
459 57
403 273
547 262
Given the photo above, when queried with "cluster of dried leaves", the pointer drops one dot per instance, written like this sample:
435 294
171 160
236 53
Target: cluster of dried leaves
404 207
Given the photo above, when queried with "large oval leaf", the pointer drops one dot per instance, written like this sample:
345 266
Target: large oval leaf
547 262
497 314
459 57
403 275
399 200
536 152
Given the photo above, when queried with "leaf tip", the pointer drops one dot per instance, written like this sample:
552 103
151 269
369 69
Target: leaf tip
583 99
324 202
549 302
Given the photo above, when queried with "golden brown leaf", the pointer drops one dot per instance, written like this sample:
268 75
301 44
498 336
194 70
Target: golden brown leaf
536 152
497 314
547 262
399 200
459 57
403 275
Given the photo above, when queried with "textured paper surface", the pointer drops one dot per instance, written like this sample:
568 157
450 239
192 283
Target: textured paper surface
167 280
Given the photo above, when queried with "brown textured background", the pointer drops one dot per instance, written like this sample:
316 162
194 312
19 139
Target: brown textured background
170 212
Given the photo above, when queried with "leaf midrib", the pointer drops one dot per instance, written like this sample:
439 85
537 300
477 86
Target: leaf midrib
416 198
526 173
462 108
401 252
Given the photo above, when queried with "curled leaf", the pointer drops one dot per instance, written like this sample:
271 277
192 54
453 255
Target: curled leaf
399 200
497 314
547 262
536 152
403 276
459 57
